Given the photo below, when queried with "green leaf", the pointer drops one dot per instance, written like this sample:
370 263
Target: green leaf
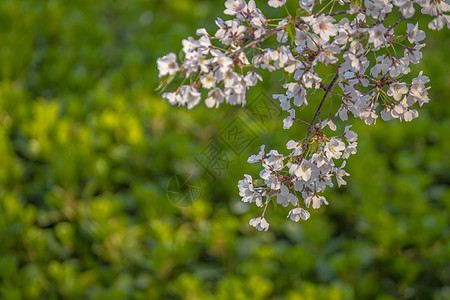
259 183
164 83
301 12
290 28
400 39
287 76
353 2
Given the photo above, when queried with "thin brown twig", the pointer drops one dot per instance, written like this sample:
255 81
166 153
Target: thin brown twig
396 23
378 22
268 34
319 108
340 12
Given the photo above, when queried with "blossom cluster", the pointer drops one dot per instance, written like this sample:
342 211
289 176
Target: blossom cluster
353 39
302 172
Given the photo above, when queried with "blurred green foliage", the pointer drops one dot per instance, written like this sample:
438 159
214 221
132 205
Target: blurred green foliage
88 149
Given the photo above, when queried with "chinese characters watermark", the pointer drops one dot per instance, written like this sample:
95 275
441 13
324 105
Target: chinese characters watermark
215 158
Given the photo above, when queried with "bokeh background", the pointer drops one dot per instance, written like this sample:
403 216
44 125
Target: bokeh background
89 152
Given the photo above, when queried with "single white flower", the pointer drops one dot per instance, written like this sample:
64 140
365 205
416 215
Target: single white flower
333 148
284 197
406 7
233 7
275 160
323 26
350 150
270 179
289 121
276 3
377 36
215 97
414 34
397 90
285 102
307 5
191 96
439 22
248 193
350 135
298 149
297 92
167 65
310 79
257 157
208 80
259 223
251 78
306 170
172 97
298 213
339 173
316 201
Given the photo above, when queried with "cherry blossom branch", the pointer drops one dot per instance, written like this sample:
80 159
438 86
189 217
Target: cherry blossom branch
319 108
395 24
269 33
336 13
380 21
369 88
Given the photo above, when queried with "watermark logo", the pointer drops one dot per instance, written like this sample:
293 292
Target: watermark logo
181 192
263 109
215 158
238 136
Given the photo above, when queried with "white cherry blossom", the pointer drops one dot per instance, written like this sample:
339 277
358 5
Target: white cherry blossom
289 121
307 5
323 26
367 53
316 201
276 3
406 7
284 197
414 34
233 7
167 65
334 148
259 223
397 90
298 213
